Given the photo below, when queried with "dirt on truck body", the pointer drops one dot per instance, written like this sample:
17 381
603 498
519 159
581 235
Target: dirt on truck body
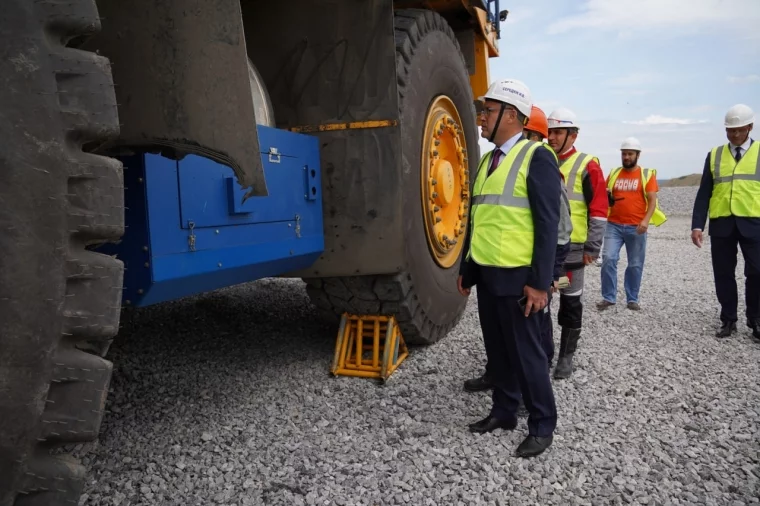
387 87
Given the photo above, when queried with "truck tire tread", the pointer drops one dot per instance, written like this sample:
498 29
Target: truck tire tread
57 395
391 294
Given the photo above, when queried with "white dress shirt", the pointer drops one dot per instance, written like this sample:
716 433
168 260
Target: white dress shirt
742 149
509 144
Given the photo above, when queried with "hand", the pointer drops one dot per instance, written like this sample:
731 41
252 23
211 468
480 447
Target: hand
464 291
536 300
696 238
588 259
642 228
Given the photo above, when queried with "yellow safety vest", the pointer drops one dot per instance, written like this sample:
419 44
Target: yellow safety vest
573 169
502 222
736 186
658 218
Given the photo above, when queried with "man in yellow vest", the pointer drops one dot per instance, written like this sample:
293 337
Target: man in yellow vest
537 130
633 195
730 192
587 193
509 253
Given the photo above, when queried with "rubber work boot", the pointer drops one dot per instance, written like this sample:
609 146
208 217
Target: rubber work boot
568 345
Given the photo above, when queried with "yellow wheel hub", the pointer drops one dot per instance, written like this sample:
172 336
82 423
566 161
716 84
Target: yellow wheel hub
444 181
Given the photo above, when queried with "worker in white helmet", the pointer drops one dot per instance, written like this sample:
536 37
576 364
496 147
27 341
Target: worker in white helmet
586 190
633 195
730 194
509 253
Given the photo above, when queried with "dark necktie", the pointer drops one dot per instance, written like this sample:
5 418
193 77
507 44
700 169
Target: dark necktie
738 155
495 160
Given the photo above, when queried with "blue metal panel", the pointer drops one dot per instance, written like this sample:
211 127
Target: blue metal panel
189 231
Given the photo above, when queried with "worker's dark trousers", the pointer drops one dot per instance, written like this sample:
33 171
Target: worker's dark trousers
724 258
516 362
547 332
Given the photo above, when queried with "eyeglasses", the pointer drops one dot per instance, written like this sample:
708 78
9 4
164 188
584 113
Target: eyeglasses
485 111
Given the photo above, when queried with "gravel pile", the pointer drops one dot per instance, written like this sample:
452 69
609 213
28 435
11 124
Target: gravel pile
226 399
677 201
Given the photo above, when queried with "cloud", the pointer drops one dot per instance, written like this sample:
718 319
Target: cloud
752 78
633 80
656 15
633 93
656 119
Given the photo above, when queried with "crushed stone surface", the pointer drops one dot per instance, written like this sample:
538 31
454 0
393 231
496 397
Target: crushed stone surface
226 399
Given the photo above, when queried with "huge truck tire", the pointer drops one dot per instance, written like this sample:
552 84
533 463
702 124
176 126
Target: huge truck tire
55 200
439 156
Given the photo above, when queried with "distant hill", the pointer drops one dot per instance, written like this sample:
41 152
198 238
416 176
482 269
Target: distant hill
690 180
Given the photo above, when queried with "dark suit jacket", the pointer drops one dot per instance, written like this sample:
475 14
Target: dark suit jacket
719 227
544 187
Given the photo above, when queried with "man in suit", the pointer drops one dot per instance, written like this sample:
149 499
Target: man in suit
730 192
509 254
537 129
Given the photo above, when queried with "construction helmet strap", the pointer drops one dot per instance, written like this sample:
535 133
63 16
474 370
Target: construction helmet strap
564 142
498 120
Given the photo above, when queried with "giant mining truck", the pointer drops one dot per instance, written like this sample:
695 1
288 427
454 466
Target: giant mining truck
155 149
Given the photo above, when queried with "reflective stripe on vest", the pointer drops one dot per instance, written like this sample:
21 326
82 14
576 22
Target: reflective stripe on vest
502 221
573 169
736 186
658 218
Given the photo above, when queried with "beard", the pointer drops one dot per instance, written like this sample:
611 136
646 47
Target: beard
630 165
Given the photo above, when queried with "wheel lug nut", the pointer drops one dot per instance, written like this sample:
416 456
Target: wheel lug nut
437 219
434 182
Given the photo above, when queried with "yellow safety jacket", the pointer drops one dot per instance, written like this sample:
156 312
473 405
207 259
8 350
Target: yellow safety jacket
502 222
736 186
658 218
573 170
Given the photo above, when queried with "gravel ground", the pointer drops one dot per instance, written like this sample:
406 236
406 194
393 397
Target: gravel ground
226 399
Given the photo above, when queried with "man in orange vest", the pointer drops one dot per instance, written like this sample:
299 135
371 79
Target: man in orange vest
633 192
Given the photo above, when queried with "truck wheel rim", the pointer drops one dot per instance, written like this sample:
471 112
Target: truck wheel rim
444 176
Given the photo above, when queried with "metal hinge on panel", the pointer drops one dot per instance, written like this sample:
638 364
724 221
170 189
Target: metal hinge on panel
274 155
191 238
298 225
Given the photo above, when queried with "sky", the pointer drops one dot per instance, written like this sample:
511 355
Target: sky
664 71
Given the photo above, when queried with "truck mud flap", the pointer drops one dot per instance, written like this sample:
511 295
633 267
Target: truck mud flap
180 68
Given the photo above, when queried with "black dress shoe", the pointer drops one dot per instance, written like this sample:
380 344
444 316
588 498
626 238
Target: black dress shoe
726 329
534 445
491 423
478 384
755 326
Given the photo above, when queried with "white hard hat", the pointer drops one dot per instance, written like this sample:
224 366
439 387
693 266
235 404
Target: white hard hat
631 143
562 118
738 116
512 92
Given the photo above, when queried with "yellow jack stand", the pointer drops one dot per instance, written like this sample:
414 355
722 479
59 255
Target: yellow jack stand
378 359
